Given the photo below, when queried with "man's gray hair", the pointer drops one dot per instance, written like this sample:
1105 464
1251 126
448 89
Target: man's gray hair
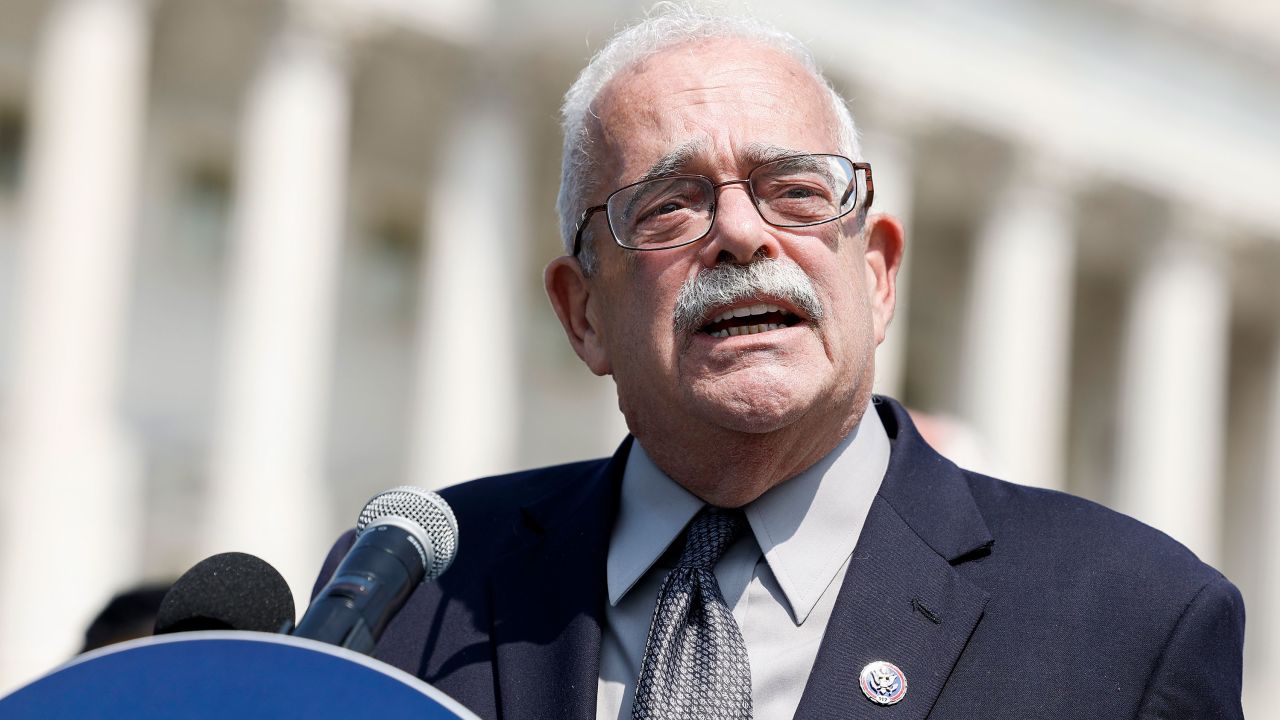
666 25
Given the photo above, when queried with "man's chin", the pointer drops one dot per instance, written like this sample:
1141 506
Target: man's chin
753 408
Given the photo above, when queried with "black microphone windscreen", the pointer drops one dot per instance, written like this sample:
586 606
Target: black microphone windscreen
229 591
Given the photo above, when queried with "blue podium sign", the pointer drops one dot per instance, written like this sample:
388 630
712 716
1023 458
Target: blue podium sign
227 674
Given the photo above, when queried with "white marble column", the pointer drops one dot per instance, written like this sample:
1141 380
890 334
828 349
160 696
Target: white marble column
1173 387
891 158
267 493
1262 659
473 295
68 470
1019 325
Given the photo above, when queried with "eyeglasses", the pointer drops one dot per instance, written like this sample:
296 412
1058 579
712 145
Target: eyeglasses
676 210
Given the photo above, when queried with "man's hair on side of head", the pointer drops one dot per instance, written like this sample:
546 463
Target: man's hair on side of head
665 25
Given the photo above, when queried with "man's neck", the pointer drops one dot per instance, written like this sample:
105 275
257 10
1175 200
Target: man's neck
730 469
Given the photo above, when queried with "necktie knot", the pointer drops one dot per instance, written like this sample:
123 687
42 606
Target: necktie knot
709 535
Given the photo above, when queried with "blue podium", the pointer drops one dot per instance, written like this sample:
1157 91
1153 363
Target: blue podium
227 674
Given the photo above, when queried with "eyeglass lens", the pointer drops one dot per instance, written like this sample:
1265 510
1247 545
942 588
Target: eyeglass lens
791 192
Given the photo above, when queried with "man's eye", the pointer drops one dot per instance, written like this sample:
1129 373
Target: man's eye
667 207
795 188
798 193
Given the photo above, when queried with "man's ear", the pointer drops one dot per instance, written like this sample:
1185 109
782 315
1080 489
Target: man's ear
573 300
885 244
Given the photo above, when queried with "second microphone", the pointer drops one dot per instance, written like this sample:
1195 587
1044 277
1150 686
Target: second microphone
404 536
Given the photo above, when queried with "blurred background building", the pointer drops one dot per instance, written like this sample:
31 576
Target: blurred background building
260 259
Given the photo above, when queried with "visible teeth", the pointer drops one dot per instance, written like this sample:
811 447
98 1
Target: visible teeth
746 330
759 309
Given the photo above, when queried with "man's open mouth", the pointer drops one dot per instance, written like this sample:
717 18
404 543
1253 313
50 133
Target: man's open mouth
750 320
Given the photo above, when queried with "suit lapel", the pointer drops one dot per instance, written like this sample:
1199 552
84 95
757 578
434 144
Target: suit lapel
548 597
902 600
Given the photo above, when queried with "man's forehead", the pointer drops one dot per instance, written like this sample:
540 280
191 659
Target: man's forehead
718 102
707 73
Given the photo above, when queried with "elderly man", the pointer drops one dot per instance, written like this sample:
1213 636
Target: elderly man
771 541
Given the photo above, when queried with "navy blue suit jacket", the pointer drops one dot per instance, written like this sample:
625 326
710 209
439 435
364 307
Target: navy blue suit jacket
996 601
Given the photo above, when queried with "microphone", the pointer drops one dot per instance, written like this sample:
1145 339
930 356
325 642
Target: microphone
229 591
403 536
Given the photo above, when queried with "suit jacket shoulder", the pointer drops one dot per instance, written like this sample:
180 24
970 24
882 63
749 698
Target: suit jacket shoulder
447 632
1103 541
1127 604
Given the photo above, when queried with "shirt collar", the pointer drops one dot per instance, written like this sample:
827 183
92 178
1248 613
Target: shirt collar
806 527
652 512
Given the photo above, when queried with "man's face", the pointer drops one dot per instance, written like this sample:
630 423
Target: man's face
719 108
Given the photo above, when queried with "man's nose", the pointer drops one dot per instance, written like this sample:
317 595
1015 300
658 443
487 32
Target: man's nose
738 234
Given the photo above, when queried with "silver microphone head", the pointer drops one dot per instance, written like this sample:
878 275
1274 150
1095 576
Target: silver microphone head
424 514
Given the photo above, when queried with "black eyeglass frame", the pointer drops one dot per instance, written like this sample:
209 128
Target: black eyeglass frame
715 187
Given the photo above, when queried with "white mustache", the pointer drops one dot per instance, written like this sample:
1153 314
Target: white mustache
729 283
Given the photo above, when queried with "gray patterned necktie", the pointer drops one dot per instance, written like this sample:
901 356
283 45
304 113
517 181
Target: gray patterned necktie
695 662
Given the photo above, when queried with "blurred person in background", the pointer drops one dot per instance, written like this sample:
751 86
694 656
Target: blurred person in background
771 540
128 615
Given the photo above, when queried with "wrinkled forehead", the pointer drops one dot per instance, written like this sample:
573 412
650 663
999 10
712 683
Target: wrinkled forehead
708 107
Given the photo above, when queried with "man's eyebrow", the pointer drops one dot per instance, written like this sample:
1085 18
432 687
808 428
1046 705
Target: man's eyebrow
675 161
758 153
